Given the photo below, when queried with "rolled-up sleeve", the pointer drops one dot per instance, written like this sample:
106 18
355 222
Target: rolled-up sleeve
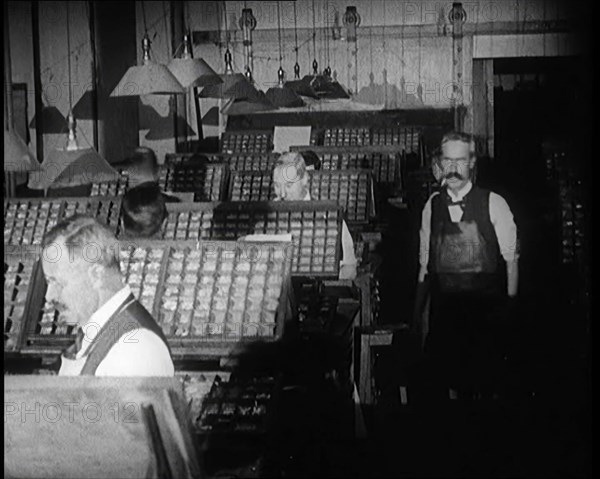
505 227
425 232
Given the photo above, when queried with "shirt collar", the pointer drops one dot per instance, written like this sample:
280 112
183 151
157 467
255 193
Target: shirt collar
461 193
101 317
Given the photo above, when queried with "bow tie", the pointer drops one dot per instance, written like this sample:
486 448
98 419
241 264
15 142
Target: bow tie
451 202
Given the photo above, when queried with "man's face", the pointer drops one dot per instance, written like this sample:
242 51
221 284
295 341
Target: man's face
456 163
288 185
71 288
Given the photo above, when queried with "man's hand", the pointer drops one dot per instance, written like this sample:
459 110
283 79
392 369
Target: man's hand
348 271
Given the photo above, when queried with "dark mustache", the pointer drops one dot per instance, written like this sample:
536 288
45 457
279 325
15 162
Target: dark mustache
454 174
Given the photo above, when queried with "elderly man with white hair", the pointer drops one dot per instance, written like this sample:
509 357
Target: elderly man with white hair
116 335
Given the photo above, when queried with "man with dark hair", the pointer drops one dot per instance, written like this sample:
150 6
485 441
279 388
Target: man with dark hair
468 255
143 211
116 335
311 160
142 169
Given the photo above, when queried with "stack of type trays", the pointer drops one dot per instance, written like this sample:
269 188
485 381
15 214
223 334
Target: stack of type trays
315 227
206 297
352 189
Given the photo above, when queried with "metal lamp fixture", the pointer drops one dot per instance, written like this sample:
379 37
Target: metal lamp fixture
302 86
71 165
192 72
150 78
248 24
17 156
234 85
319 85
281 95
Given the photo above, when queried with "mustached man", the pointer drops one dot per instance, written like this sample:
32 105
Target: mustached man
469 263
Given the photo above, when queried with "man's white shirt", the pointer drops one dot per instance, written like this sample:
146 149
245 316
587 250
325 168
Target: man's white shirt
139 352
500 215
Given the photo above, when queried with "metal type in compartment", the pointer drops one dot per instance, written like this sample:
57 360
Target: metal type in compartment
221 293
205 181
111 188
26 220
18 279
247 141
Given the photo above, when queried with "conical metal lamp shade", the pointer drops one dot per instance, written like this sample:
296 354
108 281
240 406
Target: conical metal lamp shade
302 87
53 121
148 79
327 88
65 168
193 72
235 85
244 107
17 156
284 97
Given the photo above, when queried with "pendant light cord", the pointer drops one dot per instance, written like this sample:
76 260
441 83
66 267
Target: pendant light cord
144 18
296 32
279 33
314 31
327 32
226 26
69 58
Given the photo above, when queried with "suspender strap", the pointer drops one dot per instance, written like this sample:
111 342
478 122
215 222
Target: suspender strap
132 316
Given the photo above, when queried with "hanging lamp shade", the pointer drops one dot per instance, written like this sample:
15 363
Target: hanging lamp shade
192 72
244 107
17 156
302 87
328 89
282 96
234 85
53 121
72 166
148 79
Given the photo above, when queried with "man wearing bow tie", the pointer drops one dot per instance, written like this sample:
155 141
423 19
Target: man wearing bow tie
468 255
116 335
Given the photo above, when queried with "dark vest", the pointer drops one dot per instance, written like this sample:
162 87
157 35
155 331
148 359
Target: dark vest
464 256
126 319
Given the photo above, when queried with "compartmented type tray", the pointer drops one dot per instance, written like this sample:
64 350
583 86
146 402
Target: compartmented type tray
206 181
409 138
111 188
204 296
247 141
19 267
382 161
346 136
26 220
240 405
315 226
352 189
249 161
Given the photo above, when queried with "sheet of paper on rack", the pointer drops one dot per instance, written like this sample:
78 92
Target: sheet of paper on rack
285 237
286 136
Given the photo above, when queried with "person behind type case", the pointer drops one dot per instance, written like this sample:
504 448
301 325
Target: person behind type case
290 183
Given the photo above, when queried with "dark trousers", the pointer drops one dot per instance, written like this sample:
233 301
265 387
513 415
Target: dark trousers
465 344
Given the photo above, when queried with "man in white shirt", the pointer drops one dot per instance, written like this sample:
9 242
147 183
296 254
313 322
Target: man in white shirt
290 182
468 254
116 335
